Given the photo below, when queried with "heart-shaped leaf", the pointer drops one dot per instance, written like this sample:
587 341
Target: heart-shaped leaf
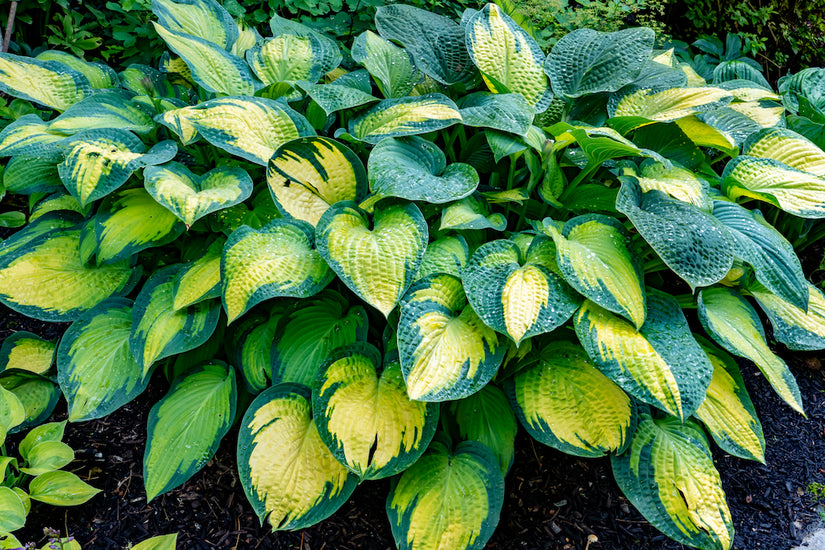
471 212
345 92
191 197
306 176
378 264
506 112
23 350
36 393
287 58
415 169
277 260
391 67
446 351
447 254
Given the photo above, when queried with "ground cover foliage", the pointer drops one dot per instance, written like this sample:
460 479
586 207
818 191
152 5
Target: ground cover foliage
380 264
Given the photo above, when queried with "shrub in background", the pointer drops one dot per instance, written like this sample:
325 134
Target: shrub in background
382 272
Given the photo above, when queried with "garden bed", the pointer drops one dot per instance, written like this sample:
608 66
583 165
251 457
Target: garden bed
554 501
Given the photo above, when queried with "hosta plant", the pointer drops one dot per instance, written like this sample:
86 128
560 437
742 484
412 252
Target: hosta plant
379 265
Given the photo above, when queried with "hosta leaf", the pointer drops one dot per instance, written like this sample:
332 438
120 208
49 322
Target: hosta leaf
26 351
48 83
249 127
660 364
46 280
416 169
563 401
99 161
364 416
670 104
587 61
679 183
735 325
405 116
727 411
47 456
25 175
206 19
447 254
103 110
668 475
593 257
327 53
704 135
36 229
306 176
55 202
486 417
278 260
214 68
447 499
29 136
158 330
95 367
377 264
764 113
121 227
250 346
307 336
772 257
391 67
191 197
345 92
471 212
730 123
735 69
506 112
163 542
60 488
446 351
287 472
693 243
200 279
435 42
187 425
797 328
12 411
37 394
99 75
787 147
515 293
12 512
286 58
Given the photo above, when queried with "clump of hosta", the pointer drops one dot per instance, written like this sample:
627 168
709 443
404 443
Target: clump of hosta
380 265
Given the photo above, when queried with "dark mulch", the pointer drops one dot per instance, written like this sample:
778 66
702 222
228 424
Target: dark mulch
554 501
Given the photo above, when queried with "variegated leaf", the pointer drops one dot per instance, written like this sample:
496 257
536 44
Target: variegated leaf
26 175
405 116
501 111
29 136
447 254
670 104
327 53
250 348
48 83
391 67
206 19
287 58
797 328
471 212
37 394
103 110
486 417
25 351
200 279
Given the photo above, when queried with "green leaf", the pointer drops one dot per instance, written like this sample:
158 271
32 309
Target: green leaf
435 42
37 394
206 19
345 92
308 175
727 411
58 287
587 61
287 58
95 367
249 127
187 425
213 68
25 351
60 488
471 212
797 328
121 227
772 257
278 260
12 512
46 457
502 111
29 136
693 243
668 105
9 541
416 169
447 254
99 161
486 417
55 202
200 279
405 116
518 294
288 474
446 351
593 257
447 499
668 475
158 330
735 325
47 83
53 431
99 75
110 109
328 54
306 336
660 364
12 411
678 183
364 416
509 59
25 175
250 348
391 67
162 542
191 197
563 401
377 264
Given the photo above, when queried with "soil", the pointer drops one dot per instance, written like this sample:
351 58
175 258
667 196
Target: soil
554 501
